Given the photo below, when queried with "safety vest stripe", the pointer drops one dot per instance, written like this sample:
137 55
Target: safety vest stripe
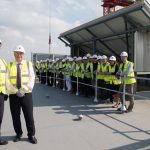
24 83
3 71
14 77
1 85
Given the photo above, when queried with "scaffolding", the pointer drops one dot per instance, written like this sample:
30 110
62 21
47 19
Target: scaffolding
110 5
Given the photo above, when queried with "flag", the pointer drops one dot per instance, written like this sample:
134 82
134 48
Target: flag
49 42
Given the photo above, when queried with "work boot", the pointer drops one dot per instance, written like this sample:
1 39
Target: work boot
3 142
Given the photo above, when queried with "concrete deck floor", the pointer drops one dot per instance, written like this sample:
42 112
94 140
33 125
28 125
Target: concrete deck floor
101 128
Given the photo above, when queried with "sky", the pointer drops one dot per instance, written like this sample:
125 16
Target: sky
29 22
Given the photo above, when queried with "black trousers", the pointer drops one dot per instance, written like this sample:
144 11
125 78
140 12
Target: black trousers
1 109
25 103
87 89
74 84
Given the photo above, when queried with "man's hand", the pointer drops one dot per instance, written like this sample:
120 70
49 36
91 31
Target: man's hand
21 92
117 75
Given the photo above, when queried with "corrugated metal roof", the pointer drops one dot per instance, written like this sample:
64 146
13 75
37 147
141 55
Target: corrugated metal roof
109 32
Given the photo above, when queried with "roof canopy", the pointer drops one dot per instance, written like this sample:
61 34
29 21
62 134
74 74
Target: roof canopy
110 34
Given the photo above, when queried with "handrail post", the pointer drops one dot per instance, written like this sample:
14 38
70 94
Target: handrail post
46 78
95 99
40 76
54 79
77 93
124 95
64 82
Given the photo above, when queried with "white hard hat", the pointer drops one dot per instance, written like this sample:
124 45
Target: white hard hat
74 57
99 57
104 57
70 59
67 58
84 58
57 59
124 54
88 55
63 60
19 48
113 58
94 56
79 58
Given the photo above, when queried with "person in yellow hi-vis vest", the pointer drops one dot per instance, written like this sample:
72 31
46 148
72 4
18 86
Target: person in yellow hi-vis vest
100 80
67 74
79 72
20 79
73 78
114 83
2 93
88 75
37 69
126 70
85 80
105 84
60 75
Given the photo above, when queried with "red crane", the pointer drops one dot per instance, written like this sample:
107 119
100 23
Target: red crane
109 5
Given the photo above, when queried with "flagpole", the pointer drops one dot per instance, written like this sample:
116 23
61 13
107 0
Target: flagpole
49 42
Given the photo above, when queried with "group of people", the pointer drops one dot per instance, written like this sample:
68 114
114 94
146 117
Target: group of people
17 81
87 70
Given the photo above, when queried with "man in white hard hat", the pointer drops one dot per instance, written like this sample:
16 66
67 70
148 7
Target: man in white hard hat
2 93
104 70
126 72
20 82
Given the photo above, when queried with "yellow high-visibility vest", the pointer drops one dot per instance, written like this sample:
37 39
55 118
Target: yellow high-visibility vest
60 67
37 67
130 77
81 72
2 76
79 69
25 76
112 78
63 66
57 67
67 66
49 67
89 69
105 69
77 74
45 67
72 65
99 67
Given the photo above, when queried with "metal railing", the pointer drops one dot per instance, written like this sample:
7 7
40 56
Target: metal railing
96 87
